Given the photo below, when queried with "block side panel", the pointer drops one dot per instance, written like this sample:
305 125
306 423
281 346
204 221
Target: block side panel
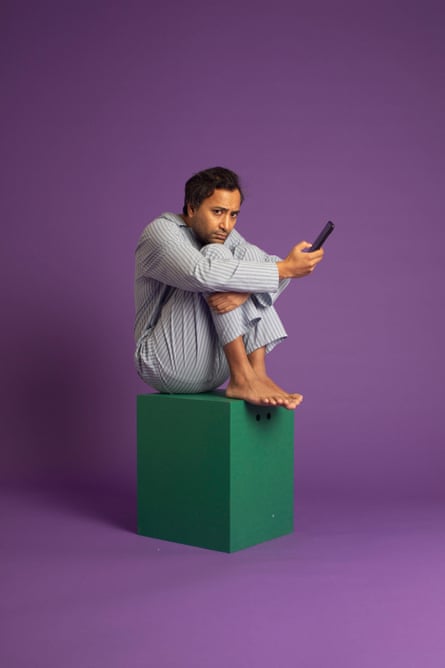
261 475
183 470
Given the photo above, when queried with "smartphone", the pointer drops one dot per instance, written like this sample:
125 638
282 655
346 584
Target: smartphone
319 241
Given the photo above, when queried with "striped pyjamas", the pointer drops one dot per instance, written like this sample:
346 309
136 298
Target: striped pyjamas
179 339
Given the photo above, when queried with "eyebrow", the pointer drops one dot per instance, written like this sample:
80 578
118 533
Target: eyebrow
223 208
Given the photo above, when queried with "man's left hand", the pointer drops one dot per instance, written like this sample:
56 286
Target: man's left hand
224 302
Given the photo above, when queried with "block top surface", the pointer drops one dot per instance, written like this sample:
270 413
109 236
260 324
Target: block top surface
217 395
217 401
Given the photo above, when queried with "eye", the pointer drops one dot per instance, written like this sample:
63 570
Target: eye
217 212
234 214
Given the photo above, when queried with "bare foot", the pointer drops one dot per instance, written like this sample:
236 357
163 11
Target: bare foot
292 399
262 392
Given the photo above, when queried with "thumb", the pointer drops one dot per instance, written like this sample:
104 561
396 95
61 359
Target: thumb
302 245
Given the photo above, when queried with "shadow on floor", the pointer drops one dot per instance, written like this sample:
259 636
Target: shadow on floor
114 505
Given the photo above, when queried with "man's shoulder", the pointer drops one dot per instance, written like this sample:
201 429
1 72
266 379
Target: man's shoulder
165 224
166 220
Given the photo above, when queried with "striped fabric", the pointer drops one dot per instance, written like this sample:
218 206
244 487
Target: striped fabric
179 339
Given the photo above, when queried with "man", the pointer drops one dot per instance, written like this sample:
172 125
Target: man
204 297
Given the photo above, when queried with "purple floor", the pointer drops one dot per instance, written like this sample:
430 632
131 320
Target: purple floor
357 585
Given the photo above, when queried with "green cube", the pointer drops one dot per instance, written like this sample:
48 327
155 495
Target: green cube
214 472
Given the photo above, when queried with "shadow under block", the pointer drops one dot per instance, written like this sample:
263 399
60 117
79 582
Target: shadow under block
214 472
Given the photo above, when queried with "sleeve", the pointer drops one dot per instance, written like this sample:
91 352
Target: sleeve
166 255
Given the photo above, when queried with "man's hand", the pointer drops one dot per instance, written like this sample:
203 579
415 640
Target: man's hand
223 302
299 264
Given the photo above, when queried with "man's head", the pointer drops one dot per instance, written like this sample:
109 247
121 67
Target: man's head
212 202
203 185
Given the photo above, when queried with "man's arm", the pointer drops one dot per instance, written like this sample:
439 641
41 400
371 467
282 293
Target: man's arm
297 264
166 254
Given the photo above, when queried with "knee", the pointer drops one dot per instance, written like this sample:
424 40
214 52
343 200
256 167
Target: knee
217 251
248 253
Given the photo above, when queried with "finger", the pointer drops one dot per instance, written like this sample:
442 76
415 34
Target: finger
318 254
315 259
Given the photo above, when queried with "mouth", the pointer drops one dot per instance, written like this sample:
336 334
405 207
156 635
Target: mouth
220 237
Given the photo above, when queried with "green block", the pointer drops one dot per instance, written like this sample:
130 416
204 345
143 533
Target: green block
214 472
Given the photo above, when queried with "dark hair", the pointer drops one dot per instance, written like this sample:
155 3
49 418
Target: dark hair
203 185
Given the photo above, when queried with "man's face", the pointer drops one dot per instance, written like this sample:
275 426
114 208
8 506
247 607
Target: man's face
213 221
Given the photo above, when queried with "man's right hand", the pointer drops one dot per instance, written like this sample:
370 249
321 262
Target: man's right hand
298 263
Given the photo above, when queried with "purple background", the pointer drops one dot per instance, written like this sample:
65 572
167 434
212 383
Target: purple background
326 110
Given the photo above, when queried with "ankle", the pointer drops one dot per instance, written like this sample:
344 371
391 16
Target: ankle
242 376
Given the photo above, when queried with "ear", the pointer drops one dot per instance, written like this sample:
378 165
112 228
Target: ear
190 210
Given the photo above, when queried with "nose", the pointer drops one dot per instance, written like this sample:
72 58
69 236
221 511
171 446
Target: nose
225 222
